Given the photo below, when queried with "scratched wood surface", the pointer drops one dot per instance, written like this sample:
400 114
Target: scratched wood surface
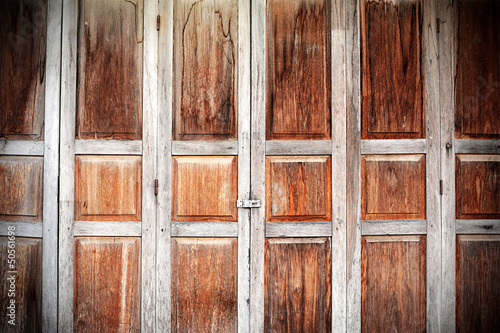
478 290
297 285
204 279
298 69
477 96
392 75
23 36
106 286
393 284
28 285
205 63
109 87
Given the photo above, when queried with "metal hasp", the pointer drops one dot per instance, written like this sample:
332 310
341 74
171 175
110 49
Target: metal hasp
248 203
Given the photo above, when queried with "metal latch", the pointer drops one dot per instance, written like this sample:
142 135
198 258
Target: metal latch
248 203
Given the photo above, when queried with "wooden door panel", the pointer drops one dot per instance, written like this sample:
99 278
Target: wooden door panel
298 69
107 284
393 278
21 188
392 75
478 288
22 68
297 285
109 70
204 284
28 285
392 187
107 188
205 63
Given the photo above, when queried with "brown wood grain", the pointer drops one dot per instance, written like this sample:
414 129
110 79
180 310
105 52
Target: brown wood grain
393 187
298 188
21 188
477 95
298 69
204 277
23 37
478 287
297 285
28 285
477 186
204 188
393 278
107 284
392 74
205 58
107 188
109 97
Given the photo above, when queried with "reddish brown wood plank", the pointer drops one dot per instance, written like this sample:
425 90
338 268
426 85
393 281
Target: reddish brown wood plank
204 288
393 284
478 287
477 186
204 188
392 187
23 28
392 97
109 70
205 58
21 188
107 188
28 285
106 286
298 188
477 96
298 69
297 285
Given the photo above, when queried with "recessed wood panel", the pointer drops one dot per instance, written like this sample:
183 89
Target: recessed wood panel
478 186
298 69
478 287
26 276
205 62
393 284
107 284
393 187
23 31
109 70
392 74
477 95
204 284
21 188
297 285
298 188
108 188
204 188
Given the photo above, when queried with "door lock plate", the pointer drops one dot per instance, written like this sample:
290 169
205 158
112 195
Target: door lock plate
248 203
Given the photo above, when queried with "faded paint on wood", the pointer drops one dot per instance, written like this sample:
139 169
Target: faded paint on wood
298 188
478 288
298 285
107 188
204 188
23 38
392 187
109 87
28 285
205 63
21 188
477 96
393 284
298 69
204 286
477 186
393 97
106 286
